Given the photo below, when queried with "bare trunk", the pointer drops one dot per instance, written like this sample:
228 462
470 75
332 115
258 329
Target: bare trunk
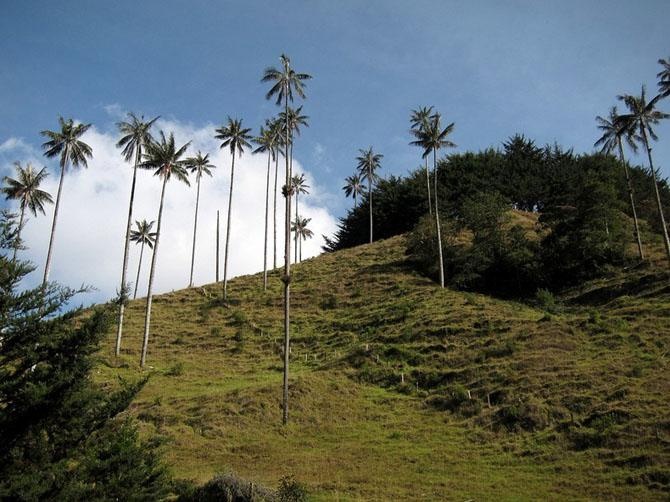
287 266
267 209
139 267
430 208
47 267
195 229
225 252
295 236
126 252
666 241
274 263
217 245
632 200
437 221
370 199
152 272
18 234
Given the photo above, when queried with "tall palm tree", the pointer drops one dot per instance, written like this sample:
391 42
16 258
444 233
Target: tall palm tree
198 165
286 82
611 141
135 137
26 189
431 138
64 143
142 235
641 116
299 226
236 138
368 163
293 119
276 130
353 187
165 159
266 141
299 186
419 119
664 78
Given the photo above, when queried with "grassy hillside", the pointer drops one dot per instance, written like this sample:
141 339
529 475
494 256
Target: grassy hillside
400 390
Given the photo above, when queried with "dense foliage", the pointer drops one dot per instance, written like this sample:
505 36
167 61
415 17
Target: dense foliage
61 437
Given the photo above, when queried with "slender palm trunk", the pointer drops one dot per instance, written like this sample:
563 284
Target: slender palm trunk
126 252
295 237
217 245
300 249
267 214
139 267
666 241
355 203
370 198
287 267
632 200
430 208
437 221
152 272
47 267
195 229
225 252
18 234
274 263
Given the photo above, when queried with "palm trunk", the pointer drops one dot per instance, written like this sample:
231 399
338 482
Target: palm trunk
217 245
274 263
287 267
195 229
632 200
666 241
18 234
355 203
47 267
370 199
437 221
225 252
265 244
430 209
300 249
139 267
126 252
295 236
152 272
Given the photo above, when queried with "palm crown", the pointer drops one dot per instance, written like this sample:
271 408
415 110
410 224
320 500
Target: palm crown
299 184
613 130
67 144
234 136
642 114
431 137
295 119
143 234
166 159
25 188
419 118
299 225
664 76
267 139
135 137
286 81
368 163
353 186
199 165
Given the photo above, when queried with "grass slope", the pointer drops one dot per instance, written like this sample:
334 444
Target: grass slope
400 390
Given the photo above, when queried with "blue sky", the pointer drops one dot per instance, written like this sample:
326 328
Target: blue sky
495 68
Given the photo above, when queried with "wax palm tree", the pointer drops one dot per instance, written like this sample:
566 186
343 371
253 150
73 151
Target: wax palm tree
236 138
66 145
198 165
286 82
419 119
299 226
353 187
135 137
295 120
25 188
431 138
144 236
278 138
368 163
165 159
641 116
266 141
299 186
611 141
664 78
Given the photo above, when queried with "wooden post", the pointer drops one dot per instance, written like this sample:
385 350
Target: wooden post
217 245
488 399
402 377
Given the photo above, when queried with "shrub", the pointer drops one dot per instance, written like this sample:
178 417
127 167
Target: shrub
226 487
291 490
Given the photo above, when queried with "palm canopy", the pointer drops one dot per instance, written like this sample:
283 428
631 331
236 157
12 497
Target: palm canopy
295 119
166 159
299 184
642 115
143 234
431 136
25 188
664 78
613 130
299 225
353 186
234 136
199 165
67 144
419 118
368 163
286 81
136 135
267 139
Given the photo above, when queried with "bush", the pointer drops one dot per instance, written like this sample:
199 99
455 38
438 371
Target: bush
290 490
227 487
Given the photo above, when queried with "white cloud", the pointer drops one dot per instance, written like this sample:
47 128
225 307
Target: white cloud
88 246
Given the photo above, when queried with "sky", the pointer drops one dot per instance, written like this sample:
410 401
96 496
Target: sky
495 68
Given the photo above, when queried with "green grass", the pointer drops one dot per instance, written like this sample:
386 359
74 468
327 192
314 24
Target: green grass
579 405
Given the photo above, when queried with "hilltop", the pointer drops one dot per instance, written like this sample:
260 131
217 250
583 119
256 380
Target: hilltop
401 390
